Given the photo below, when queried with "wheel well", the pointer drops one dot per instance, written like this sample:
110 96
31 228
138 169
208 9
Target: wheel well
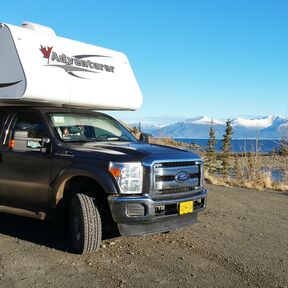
85 185
89 186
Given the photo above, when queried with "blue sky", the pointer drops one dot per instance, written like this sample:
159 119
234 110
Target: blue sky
218 58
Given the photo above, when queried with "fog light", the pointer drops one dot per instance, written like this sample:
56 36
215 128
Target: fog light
134 210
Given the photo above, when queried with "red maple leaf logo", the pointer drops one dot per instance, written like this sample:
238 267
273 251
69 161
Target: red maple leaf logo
46 51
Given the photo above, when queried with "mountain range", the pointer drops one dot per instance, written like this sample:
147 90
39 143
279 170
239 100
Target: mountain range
267 127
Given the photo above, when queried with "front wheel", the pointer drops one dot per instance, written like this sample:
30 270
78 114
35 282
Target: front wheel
85 224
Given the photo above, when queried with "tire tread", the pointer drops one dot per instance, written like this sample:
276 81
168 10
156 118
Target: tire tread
92 227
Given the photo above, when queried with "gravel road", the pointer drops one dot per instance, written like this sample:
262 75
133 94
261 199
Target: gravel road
241 241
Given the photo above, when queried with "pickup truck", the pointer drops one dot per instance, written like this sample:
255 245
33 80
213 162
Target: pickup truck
83 166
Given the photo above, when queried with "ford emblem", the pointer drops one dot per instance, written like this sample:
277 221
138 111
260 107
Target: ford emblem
182 177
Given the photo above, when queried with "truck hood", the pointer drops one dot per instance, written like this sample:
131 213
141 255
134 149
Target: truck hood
126 152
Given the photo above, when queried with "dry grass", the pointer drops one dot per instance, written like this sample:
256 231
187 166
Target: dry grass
215 180
250 171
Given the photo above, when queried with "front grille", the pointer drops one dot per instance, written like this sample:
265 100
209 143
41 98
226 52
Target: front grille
172 177
166 182
178 190
178 164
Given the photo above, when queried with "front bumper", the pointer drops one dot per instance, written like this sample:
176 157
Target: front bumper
156 215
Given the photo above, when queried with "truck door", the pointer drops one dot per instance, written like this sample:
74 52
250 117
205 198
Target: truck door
25 174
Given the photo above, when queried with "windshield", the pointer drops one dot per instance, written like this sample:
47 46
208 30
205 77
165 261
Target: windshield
74 127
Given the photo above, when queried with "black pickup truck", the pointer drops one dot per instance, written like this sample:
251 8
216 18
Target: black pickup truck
86 167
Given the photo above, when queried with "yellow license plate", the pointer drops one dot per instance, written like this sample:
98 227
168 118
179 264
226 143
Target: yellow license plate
185 207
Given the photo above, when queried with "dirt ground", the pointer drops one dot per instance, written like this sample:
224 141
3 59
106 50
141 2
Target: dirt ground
241 241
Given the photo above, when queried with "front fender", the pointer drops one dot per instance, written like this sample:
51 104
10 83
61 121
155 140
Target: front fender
102 177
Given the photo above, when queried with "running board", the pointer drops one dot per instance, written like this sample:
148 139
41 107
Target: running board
22 212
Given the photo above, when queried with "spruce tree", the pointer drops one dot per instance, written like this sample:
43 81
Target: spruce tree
211 150
226 149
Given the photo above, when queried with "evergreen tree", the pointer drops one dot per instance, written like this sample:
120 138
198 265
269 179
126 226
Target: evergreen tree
226 149
211 150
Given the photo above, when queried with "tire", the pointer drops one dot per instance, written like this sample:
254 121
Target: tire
85 224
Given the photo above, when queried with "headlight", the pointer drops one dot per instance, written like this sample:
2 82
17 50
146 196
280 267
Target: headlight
129 176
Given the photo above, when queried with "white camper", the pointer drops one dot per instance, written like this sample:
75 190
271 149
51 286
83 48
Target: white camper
36 66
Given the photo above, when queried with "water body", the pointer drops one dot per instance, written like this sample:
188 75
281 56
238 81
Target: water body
239 145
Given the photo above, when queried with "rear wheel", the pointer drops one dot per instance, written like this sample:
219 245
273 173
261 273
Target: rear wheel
85 224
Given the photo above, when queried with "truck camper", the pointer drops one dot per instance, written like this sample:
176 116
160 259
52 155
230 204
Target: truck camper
60 160
40 67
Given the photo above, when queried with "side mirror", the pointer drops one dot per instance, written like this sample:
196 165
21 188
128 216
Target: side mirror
21 142
144 137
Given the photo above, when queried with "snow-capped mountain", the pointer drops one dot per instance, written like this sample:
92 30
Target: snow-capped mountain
205 120
268 127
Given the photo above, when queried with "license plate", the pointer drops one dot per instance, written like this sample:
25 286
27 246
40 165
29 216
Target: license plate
185 207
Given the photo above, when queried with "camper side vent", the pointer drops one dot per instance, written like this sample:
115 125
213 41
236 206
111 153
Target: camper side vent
39 28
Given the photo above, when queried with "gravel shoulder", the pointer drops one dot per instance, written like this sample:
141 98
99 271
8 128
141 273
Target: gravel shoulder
240 241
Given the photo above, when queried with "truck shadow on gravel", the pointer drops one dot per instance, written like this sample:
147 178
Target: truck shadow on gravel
40 232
